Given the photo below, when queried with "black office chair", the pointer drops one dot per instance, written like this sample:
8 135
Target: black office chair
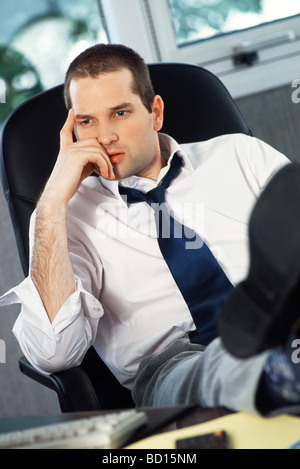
197 107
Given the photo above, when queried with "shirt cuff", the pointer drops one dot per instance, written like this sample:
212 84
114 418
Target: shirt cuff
62 343
34 313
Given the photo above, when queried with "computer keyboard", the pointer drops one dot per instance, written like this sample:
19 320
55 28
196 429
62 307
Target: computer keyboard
104 431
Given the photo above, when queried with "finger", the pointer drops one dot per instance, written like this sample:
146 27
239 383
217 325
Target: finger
105 167
66 133
103 164
98 158
111 174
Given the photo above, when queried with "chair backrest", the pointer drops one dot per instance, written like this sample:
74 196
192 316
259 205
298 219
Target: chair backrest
197 107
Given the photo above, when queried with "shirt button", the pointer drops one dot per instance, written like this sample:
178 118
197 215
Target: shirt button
96 308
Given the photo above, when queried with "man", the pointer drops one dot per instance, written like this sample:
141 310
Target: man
97 275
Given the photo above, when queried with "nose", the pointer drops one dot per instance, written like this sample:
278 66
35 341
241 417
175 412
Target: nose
106 135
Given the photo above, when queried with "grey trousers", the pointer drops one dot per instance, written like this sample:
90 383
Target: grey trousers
190 374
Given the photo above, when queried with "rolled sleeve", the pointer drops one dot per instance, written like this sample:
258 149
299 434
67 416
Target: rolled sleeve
59 345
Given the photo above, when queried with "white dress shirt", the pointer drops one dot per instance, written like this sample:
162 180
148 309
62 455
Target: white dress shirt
126 302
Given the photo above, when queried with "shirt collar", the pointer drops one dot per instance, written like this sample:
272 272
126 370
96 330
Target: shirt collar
168 147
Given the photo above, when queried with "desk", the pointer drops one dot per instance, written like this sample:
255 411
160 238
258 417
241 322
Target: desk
244 431
170 423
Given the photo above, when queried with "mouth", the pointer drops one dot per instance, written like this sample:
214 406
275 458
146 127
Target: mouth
116 157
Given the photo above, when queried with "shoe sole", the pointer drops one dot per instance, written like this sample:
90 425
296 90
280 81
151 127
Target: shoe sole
261 310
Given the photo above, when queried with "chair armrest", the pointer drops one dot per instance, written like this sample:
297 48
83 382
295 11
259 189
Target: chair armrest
73 387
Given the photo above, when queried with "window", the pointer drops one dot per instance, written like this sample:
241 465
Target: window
251 45
38 39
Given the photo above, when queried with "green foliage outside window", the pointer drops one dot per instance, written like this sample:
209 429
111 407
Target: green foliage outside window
38 42
19 80
192 16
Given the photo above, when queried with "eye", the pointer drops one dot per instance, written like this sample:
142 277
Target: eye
86 122
121 113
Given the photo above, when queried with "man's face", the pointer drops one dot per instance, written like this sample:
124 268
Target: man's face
105 108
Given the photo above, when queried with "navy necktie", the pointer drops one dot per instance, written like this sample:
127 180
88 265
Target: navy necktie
202 282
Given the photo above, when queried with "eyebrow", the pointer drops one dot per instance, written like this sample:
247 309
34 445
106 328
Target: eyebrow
114 108
121 106
83 116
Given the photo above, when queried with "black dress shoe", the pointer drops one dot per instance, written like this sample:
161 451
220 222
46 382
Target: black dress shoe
261 310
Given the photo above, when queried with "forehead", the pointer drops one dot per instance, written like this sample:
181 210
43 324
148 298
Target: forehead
109 89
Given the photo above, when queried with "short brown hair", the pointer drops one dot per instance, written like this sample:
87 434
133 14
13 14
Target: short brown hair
106 58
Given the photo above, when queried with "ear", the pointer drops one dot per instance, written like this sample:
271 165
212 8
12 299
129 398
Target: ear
157 112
